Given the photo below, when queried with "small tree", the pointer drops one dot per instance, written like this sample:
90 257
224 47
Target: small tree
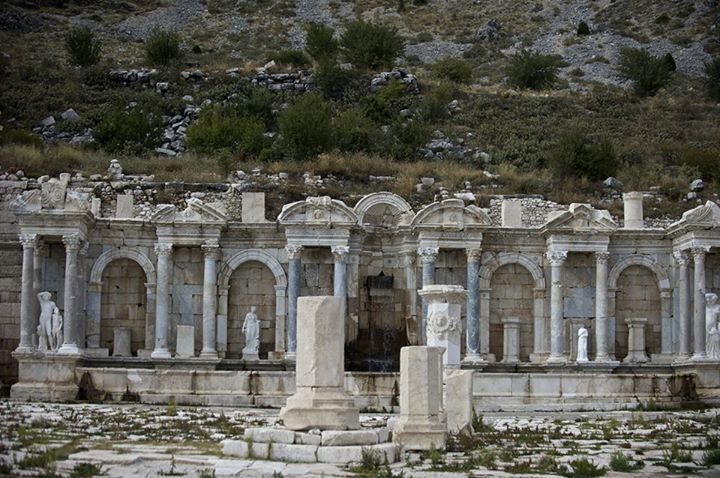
583 28
371 46
712 79
82 47
306 126
220 127
575 155
132 130
453 69
533 70
163 47
320 42
647 72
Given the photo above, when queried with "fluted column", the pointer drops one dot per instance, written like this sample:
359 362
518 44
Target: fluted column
472 341
211 250
163 251
38 263
601 307
683 260
427 256
27 296
70 316
340 254
698 254
557 339
294 251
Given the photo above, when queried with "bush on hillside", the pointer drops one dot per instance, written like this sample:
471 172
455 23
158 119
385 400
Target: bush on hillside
129 130
294 58
575 155
385 103
162 47
408 136
533 70
306 126
712 79
332 80
320 42
257 103
453 69
354 131
371 46
583 28
219 127
434 105
669 62
82 47
647 72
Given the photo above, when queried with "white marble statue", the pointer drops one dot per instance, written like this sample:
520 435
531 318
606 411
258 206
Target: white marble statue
50 328
582 344
251 329
713 343
712 327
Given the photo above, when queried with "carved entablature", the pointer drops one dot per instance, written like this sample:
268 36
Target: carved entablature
383 211
450 214
581 219
318 212
54 195
196 212
704 217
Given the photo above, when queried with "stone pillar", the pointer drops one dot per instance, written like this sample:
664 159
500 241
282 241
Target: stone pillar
340 282
683 283
38 263
294 252
222 320
150 310
211 250
633 205
602 335
636 340
472 342
428 256
27 294
320 400
444 328
511 339
699 352
94 310
421 425
557 340
163 251
71 343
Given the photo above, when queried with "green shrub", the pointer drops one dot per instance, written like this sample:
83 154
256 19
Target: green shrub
620 462
354 131
320 42
134 129
711 457
371 46
533 70
386 102
85 470
219 127
647 72
20 136
584 468
575 155
332 80
663 19
295 58
408 136
583 28
163 47
453 69
712 79
433 106
306 126
669 62
257 103
82 47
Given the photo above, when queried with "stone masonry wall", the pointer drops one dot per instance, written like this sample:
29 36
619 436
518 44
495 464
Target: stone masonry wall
511 295
10 272
188 269
123 303
637 296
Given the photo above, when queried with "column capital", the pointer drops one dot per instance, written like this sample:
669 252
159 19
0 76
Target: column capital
72 242
340 253
473 255
294 251
682 258
84 246
556 258
29 240
699 252
163 249
211 249
601 257
428 254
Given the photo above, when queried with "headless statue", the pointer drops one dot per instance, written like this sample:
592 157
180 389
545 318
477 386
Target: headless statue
251 329
582 355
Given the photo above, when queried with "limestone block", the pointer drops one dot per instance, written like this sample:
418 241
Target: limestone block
245 449
253 207
122 340
125 204
444 328
349 454
349 437
307 438
185 341
458 401
511 213
293 453
267 435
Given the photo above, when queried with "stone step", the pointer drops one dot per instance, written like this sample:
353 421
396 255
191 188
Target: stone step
298 453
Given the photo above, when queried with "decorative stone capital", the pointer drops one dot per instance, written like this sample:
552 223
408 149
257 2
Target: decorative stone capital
698 253
602 257
473 255
340 253
556 258
72 242
29 241
211 250
84 246
682 258
293 251
428 255
163 249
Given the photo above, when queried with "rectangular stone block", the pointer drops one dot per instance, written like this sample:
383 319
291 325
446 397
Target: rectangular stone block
350 454
122 340
307 439
185 341
125 204
320 342
349 437
267 435
253 207
458 400
294 453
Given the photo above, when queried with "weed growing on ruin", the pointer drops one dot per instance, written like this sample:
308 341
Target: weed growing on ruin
620 462
85 470
584 468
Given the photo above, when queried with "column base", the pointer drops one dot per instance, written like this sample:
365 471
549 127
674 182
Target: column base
559 360
291 356
25 349
208 354
161 354
420 436
699 357
661 358
69 349
474 359
538 357
326 408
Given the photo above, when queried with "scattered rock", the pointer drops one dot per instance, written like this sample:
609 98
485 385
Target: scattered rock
697 185
489 32
70 115
383 78
613 183
49 121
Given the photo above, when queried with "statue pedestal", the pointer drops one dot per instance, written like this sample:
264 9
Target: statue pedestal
48 377
443 327
636 340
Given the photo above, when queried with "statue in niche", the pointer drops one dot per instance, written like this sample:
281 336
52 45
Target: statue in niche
712 311
713 343
50 329
251 329
582 344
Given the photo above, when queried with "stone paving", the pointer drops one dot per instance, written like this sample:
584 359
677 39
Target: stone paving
52 440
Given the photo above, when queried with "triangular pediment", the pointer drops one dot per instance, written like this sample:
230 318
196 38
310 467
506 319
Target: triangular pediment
195 212
581 218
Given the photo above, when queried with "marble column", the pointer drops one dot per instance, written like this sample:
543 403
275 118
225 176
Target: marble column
557 339
601 307
472 338
340 282
27 294
163 251
294 252
211 251
38 264
94 307
428 256
71 343
699 352
683 284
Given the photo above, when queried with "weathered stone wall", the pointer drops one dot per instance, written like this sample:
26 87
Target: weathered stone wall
187 280
317 277
123 303
511 295
10 272
637 296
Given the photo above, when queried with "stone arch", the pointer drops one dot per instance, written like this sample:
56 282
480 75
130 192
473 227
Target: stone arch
132 253
487 268
371 200
256 255
639 260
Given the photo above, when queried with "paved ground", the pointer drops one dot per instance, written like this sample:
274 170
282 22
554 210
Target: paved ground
137 440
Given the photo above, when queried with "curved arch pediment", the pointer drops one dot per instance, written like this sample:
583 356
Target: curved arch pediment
320 211
450 214
487 269
639 260
383 209
131 253
250 255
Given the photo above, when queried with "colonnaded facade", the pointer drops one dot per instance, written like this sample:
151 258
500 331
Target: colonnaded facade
152 306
